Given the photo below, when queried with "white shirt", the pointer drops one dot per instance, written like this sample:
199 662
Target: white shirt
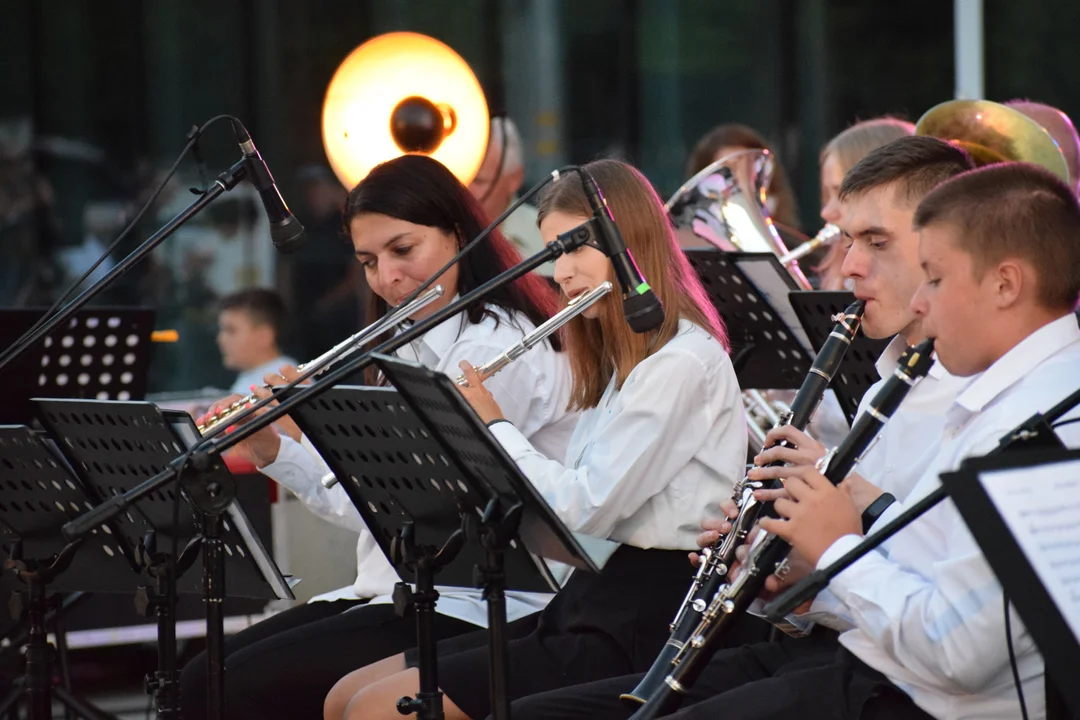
533 392
905 447
927 607
648 463
254 376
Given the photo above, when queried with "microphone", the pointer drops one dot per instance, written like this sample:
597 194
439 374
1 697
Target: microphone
642 308
285 230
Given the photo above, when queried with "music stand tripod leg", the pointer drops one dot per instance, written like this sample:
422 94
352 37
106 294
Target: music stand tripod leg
496 531
425 562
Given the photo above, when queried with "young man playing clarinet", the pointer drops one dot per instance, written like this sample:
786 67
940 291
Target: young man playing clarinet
879 196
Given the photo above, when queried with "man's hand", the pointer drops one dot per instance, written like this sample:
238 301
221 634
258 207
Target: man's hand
478 396
713 528
815 515
806 450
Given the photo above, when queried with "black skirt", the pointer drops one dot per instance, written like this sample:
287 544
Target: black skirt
598 626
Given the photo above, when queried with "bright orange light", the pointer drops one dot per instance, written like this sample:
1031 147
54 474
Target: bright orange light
378 75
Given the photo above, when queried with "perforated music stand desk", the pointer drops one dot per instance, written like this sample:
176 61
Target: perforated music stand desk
858 370
38 494
115 445
1023 508
103 353
395 466
769 349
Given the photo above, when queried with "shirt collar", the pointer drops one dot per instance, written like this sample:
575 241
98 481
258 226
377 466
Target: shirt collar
886 364
1018 362
439 339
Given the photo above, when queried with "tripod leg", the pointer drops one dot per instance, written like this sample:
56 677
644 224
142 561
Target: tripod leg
80 707
214 595
62 655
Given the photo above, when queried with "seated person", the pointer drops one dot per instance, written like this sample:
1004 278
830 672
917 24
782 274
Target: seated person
250 322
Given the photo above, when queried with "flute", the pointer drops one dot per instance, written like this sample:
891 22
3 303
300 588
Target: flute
575 307
328 358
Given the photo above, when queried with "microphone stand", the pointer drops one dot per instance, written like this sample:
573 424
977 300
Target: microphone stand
1035 432
223 183
196 470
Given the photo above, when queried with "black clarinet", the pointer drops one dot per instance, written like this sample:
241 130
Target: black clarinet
718 558
768 552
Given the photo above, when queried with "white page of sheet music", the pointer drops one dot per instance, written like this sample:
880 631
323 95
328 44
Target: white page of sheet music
1041 506
775 289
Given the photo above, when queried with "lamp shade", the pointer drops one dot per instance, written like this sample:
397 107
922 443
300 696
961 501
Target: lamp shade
404 93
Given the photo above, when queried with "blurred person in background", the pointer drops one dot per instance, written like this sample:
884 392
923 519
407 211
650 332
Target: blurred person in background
323 282
728 138
1061 129
837 157
496 186
249 325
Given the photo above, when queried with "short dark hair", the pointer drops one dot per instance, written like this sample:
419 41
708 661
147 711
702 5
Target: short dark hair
263 306
1014 210
917 164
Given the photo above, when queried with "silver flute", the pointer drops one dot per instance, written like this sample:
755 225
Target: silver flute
576 306
328 358
556 321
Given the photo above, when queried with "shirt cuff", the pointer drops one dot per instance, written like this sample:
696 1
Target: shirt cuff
515 444
294 468
836 550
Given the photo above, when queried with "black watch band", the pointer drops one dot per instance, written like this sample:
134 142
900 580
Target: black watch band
499 420
872 513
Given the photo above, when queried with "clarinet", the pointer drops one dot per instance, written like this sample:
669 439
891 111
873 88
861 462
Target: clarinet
718 558
768 551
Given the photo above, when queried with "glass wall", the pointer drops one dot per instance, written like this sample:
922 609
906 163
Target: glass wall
100 95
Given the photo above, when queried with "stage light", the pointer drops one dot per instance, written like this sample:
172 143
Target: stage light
404 93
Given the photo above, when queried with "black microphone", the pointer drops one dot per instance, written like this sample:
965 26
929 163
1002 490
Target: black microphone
285 230
641 307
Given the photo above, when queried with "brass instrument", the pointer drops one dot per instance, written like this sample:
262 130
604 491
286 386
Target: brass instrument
768 552
826 236
724 206
574 308
718 558
992 132
328 358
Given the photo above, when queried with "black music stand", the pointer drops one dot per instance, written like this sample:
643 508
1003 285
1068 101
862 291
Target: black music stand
1028 526
40 495
115 446
749 290
101 353
858 371
426 475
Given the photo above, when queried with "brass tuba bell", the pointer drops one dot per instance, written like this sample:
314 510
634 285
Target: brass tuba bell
991 132
724 206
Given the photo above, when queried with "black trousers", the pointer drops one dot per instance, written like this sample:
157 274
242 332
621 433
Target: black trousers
808 679
284 666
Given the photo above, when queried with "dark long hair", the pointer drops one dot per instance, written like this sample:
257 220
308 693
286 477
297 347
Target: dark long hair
419 190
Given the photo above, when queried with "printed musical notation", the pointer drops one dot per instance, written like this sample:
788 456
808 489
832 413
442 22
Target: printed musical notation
1041 506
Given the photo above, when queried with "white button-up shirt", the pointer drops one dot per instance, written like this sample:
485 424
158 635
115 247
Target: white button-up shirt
648 463
905 447
927 608
533 392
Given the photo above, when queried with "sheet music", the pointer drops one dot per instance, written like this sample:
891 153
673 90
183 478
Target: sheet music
1041 506
775 288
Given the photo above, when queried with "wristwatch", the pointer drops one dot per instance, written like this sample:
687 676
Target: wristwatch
873 512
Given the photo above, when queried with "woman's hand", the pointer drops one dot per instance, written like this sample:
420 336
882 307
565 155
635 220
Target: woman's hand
478 396
285 375
260 449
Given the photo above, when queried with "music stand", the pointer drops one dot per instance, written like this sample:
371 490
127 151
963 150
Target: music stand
115 446
419 458
858 371
1017 507
769 349
40 495
101 353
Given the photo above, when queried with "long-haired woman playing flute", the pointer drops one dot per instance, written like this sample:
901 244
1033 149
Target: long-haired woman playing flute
661 438
406 219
